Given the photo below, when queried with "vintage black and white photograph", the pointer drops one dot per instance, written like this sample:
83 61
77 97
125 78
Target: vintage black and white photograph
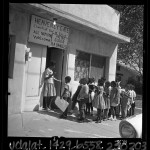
75 70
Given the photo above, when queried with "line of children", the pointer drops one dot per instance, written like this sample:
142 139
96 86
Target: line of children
103 97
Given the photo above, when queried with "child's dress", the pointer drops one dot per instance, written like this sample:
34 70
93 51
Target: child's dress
49 87
114 97
98 101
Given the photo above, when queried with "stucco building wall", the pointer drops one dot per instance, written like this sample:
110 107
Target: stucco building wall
101 15
19 24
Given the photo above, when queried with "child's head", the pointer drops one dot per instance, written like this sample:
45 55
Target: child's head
84 81
100 82
113 84
103 79
127 87
67 79
91 80
81 81
107 83
132 87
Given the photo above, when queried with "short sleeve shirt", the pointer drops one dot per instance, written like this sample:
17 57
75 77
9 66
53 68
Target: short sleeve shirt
47 73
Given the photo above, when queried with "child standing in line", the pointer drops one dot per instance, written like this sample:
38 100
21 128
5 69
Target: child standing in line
89 107
74 98
83 99
107 90
124 101
98 101
133 96
67 93
114 99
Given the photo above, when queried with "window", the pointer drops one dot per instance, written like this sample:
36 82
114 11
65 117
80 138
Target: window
82 65
88 65
11 55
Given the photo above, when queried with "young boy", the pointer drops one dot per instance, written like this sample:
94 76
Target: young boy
66 95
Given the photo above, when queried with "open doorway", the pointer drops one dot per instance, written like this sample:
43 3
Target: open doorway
56 55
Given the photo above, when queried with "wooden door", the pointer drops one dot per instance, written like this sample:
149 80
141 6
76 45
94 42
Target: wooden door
35 68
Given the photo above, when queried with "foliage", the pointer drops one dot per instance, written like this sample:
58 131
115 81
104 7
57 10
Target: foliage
131 25
137 84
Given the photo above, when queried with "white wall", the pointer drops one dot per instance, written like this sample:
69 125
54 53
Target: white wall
101 15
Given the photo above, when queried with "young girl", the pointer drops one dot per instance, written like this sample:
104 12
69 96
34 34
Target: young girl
67 93
98 101
114 99
107 89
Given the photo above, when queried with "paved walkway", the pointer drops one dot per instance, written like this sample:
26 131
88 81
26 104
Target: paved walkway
48 124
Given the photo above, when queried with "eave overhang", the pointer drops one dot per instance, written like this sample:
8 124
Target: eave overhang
72 21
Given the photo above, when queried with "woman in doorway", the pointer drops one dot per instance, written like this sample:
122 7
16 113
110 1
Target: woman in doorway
49 87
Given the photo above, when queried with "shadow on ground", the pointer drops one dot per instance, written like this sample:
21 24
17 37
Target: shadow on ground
56 113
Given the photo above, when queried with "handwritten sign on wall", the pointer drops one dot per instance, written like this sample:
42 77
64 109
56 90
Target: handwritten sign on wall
42 31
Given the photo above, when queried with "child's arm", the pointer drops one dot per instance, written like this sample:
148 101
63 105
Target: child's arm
57 79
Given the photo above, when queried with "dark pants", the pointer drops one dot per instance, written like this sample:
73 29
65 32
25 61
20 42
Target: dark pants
74 104
132 108
113 111
82 106
89 107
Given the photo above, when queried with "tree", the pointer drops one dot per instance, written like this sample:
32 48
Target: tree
131 25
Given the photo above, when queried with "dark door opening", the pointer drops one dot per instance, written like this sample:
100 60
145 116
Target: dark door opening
56 55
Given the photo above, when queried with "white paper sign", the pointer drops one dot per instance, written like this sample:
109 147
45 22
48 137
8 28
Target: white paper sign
42 31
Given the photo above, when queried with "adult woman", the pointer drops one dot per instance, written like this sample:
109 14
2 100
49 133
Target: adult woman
49 88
